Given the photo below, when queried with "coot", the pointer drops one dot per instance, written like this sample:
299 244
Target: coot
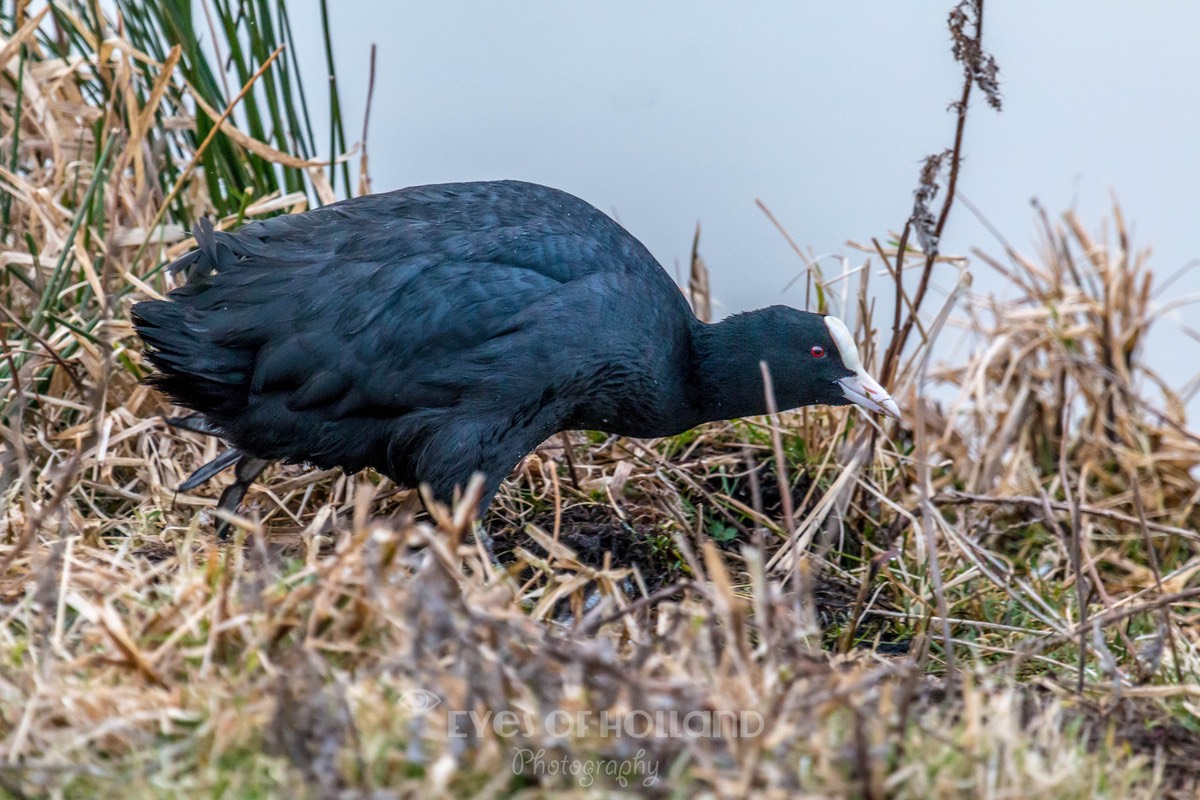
436 331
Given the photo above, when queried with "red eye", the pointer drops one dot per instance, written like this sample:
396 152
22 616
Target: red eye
818 351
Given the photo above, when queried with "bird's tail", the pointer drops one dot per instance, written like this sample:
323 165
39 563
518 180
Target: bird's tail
193 370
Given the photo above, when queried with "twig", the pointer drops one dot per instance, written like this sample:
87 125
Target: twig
972 70
957 498
1103 620
661 594
50 351
199 152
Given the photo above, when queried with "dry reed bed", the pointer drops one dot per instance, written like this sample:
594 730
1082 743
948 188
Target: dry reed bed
1012 568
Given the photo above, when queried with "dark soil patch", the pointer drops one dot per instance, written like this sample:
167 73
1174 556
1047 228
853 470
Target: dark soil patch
592 531
767 495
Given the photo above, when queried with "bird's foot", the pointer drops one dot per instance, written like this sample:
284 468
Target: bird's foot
248 469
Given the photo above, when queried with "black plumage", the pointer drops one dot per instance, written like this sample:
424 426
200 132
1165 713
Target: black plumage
436 331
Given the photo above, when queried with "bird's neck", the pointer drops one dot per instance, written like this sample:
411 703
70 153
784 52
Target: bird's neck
728 380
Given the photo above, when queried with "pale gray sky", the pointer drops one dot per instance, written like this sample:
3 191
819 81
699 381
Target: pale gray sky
670 113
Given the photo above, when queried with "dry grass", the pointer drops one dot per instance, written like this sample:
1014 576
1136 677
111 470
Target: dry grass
995 598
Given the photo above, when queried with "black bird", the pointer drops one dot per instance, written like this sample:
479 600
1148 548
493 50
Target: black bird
436 331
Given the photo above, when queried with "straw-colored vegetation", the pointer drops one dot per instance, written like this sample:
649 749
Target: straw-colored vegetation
995 598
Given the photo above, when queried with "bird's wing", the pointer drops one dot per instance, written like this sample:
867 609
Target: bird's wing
512 223
381 341
379 305
376 308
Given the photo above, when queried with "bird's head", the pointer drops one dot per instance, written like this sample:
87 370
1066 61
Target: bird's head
822 365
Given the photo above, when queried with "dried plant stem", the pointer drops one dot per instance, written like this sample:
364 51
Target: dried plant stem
954 497
901 331
216 128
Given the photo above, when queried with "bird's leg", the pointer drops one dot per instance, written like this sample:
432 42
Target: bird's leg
484 538
248 469
488 491
210 470
194 422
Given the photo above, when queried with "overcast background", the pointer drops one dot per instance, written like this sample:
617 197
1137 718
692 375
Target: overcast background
667 114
